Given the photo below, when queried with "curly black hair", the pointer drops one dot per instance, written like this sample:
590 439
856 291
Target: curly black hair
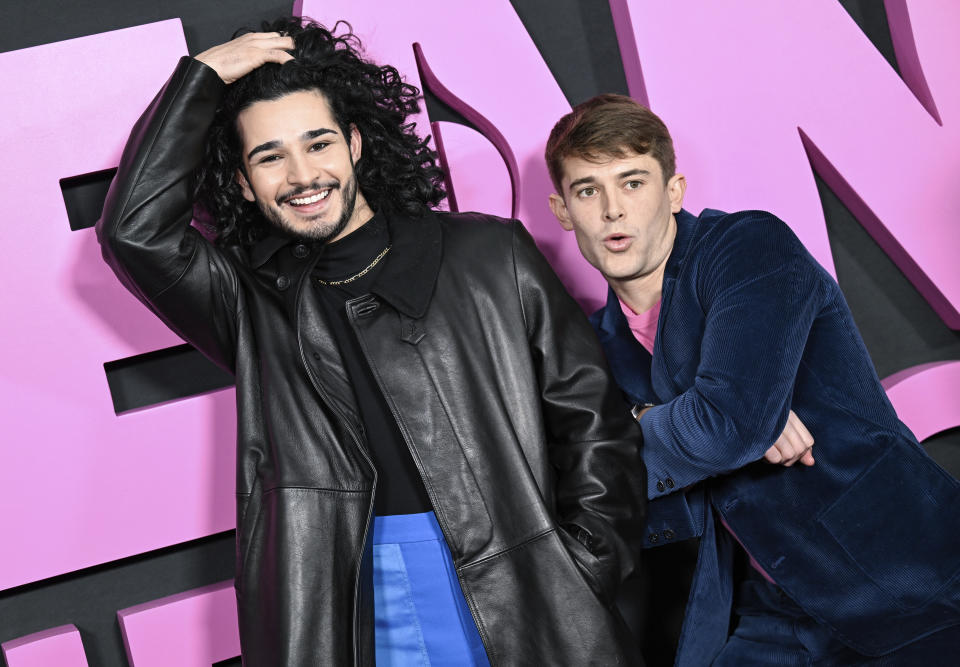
397 171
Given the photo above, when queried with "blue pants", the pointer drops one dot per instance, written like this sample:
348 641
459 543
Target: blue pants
421 617
771 630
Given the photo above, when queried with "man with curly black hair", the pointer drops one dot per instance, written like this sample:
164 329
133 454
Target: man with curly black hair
434 465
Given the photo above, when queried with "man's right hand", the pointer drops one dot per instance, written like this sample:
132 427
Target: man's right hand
242 55
794 444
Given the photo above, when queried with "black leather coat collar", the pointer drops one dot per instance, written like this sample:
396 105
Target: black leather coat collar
407 281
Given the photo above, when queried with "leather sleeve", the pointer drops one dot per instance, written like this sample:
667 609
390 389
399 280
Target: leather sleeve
761 292
594 443
145 232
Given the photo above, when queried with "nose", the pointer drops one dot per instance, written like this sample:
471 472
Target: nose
612 208
299 171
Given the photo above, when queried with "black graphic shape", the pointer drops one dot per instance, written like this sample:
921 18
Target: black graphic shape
83 196
162 376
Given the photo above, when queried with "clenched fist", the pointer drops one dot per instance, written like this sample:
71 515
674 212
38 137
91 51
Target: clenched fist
794 444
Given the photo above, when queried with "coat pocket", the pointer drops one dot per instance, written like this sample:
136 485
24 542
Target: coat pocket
536 607
588 565
900 523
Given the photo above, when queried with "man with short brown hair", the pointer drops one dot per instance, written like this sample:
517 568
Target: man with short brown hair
719 328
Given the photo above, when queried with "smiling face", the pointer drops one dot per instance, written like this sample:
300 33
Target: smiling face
298 167
622 214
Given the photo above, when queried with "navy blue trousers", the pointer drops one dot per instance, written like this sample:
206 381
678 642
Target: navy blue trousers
772 631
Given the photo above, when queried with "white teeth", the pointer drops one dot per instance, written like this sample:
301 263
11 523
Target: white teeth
311 199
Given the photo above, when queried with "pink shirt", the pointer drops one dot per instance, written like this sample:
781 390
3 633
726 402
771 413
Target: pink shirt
643 325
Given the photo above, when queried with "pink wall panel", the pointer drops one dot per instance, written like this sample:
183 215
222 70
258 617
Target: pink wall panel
926 397
60 647
736 83
468 153
192 629
744 87
78 485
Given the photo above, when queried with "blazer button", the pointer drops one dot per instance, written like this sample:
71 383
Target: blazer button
654 538
660 485
670 483
668 534
283 282
300 251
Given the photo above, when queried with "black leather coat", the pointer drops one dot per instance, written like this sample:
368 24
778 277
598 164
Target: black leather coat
491 370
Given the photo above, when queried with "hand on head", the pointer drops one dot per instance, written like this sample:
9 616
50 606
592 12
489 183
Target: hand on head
242 55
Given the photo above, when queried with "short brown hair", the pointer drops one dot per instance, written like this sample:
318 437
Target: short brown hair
609 126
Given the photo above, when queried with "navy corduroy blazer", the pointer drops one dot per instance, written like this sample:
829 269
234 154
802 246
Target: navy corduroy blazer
867 540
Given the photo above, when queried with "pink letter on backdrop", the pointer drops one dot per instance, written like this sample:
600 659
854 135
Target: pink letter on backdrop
485 57
467 153
928 394
78 484
748 89
58 646
196 628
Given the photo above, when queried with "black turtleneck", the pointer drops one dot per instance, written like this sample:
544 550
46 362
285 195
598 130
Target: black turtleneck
400 488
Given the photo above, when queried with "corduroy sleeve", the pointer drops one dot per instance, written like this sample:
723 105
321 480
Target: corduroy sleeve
760 292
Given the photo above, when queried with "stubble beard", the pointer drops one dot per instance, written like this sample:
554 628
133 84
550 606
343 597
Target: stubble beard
319 231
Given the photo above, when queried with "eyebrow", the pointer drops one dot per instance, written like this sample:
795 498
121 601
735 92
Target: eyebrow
633 172
580 181
623 174
276 143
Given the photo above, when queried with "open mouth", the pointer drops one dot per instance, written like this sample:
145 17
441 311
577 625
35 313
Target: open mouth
617 242
309 200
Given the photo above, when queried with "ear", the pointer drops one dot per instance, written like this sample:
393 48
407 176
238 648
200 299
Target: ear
245 186
676 188
356 143
559 208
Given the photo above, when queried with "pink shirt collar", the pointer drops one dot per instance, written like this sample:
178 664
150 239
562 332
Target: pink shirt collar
643 325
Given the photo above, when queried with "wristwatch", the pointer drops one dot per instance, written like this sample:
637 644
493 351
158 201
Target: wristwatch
638 408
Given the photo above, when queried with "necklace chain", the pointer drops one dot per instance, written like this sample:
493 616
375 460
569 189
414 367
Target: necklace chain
355 276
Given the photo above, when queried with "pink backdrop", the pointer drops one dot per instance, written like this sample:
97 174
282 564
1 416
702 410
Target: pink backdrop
754 93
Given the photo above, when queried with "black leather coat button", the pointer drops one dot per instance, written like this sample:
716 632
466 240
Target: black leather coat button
660 485
300 251
283 282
